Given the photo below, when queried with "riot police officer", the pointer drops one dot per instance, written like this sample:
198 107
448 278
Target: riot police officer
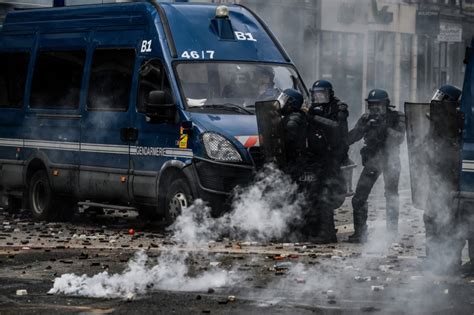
383 130
294 124
265 83
327 149
447 93
444 239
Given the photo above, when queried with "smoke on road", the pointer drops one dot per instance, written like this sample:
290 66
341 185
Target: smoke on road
260 212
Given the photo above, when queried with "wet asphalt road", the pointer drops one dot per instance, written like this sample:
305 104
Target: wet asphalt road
381 277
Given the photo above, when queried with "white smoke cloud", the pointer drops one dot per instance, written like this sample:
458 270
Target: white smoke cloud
266 209
262 211
169 273
194 226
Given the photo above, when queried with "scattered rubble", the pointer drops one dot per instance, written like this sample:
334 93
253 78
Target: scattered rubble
21 292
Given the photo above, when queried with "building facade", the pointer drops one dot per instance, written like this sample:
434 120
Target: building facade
407 47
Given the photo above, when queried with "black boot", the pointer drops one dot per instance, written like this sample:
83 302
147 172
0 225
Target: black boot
360 229
467 269
326 233
360 236
324 238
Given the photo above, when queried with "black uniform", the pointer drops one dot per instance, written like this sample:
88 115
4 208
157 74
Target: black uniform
381 154
444 237
443 245
327 150
295 136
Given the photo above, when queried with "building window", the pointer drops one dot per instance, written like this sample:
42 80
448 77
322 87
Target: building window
381 61
13 72
111 80
406 66
425 68
57 79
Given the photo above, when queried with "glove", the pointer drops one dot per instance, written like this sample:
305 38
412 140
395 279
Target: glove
316 110
376 121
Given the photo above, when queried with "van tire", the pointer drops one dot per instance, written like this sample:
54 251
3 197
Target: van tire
179 195
43 204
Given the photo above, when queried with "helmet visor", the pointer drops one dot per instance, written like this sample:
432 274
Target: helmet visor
283 99
377 108
439 96
320 96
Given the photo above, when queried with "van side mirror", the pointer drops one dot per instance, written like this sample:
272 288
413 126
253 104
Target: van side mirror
160 108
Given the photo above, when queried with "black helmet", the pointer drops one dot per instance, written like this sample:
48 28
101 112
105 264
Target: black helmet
377 102
291 100
447 93
321 92
379 96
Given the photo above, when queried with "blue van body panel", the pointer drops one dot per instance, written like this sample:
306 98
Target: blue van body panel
467 107
197 17
77 18
87 147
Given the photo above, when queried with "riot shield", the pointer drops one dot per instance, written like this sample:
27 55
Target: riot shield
446 128
418 126
433 137
446 120
271 132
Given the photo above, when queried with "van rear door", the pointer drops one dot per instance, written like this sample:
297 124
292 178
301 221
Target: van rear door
15 52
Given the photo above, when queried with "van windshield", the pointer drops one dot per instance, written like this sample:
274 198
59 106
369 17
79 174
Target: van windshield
234 85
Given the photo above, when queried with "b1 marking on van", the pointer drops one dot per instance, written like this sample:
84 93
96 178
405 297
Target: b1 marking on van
245 36
146 46
207 54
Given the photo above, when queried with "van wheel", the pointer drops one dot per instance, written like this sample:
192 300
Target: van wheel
179 197
43 204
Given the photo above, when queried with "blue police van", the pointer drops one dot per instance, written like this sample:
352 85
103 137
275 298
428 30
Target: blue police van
464 198
144 104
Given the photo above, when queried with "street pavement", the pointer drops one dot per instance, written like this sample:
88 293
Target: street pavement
384 276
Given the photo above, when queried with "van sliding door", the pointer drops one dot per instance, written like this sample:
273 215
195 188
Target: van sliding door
105 147
52 123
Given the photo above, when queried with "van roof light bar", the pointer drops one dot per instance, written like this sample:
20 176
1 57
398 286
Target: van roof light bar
222 12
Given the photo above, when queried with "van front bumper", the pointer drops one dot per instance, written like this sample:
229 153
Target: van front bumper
214 181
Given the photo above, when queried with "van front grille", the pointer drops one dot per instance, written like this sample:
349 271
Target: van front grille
222 178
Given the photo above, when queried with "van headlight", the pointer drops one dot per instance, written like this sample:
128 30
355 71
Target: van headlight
219 148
